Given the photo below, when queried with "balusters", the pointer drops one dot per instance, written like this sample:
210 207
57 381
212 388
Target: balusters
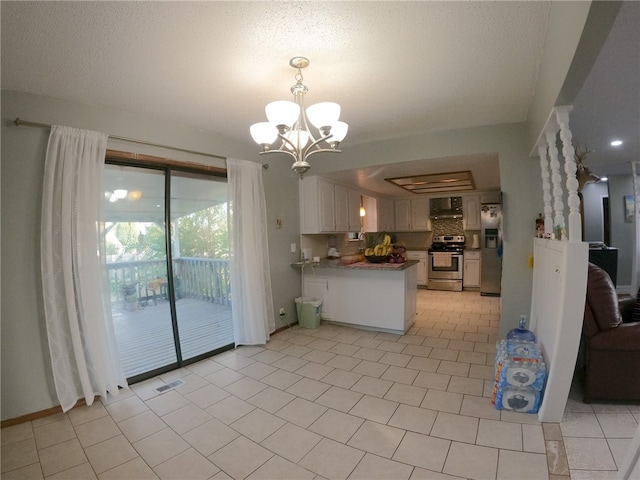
573 200
546 188
556 180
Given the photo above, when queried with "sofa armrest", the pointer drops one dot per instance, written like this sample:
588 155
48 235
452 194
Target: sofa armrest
626 308
625 337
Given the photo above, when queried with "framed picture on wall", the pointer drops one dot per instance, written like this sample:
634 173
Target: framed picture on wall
628 208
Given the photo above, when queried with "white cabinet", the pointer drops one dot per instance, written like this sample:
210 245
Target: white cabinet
402 210
317 206
471 276
317 287
341 205
327 207
354 203
412 215
382 300
371 219
420 215
421 257
386 215
471 212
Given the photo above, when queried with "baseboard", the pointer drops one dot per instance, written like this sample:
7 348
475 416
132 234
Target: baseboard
37 415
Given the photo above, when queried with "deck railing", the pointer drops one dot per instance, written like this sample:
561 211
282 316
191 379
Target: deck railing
206 279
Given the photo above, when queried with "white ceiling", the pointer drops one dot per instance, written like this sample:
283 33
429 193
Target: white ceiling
396 68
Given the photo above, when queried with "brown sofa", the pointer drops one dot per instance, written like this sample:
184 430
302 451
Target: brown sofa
610 347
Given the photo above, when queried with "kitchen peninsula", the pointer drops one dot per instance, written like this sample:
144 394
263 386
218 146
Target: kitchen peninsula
368 295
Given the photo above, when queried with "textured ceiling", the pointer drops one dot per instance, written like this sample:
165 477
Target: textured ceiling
396 68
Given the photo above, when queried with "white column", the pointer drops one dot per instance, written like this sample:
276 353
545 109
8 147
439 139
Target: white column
546 188
556 179
570 167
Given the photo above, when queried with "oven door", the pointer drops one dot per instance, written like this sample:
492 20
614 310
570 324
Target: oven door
445 265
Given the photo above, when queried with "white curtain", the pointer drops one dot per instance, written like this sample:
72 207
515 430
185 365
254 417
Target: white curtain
252 304
82 343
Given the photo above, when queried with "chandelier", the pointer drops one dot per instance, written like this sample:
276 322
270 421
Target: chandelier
288 124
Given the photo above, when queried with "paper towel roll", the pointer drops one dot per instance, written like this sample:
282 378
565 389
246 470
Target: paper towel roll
476 242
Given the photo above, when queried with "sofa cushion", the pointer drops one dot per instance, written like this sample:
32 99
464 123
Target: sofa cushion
602 299
635 316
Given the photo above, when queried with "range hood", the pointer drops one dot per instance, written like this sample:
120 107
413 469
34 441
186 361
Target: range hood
445 207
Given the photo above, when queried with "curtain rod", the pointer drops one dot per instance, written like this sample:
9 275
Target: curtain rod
19 122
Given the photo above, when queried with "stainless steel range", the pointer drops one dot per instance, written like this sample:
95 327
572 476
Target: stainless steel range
446 262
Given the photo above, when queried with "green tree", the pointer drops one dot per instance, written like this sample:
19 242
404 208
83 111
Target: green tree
204 233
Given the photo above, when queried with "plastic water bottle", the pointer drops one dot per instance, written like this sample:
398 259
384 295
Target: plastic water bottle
521 333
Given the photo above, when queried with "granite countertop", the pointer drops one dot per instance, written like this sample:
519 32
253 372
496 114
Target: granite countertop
336 263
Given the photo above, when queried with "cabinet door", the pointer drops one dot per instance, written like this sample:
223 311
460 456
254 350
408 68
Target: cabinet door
355 201
422 266
471 276
319 288
402 210
420 214
370 220
326 206
386 220
471 212
341 199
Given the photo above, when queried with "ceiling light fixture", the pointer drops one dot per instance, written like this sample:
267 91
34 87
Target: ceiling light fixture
288 122
616 143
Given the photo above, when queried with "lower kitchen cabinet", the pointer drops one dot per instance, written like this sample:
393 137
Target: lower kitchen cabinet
471 272
422 258
317 287
383 299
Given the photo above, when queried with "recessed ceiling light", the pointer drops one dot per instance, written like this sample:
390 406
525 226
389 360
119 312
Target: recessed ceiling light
604 179
616 143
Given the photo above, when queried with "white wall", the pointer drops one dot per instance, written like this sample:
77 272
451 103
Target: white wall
592 195
27 384
622 231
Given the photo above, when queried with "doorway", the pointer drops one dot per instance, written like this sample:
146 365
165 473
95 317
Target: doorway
168 266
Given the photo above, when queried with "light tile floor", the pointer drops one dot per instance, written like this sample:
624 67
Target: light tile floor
336 402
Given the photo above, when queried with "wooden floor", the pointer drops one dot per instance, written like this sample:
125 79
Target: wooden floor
145 336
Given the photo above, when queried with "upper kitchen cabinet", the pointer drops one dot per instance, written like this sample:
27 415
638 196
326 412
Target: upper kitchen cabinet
372 221
420 215
471 212
341 208
354 204
386 217
402 210
412 215
317 206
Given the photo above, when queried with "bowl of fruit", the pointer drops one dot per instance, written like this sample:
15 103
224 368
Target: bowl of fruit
379 248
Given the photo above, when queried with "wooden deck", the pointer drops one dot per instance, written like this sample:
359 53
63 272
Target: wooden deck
145 336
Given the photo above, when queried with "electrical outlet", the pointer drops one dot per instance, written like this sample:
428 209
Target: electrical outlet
294 248
282 312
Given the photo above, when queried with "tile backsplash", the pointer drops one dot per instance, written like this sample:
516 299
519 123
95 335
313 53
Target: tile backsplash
447 226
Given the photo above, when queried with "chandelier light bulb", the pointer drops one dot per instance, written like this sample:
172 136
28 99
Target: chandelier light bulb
263 133
282 112
324 114
338 132
298 137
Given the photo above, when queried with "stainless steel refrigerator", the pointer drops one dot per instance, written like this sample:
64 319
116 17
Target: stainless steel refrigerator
491 244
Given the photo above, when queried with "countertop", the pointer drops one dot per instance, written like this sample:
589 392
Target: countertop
336 263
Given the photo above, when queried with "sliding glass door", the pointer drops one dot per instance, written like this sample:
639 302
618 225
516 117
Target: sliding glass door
169 285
